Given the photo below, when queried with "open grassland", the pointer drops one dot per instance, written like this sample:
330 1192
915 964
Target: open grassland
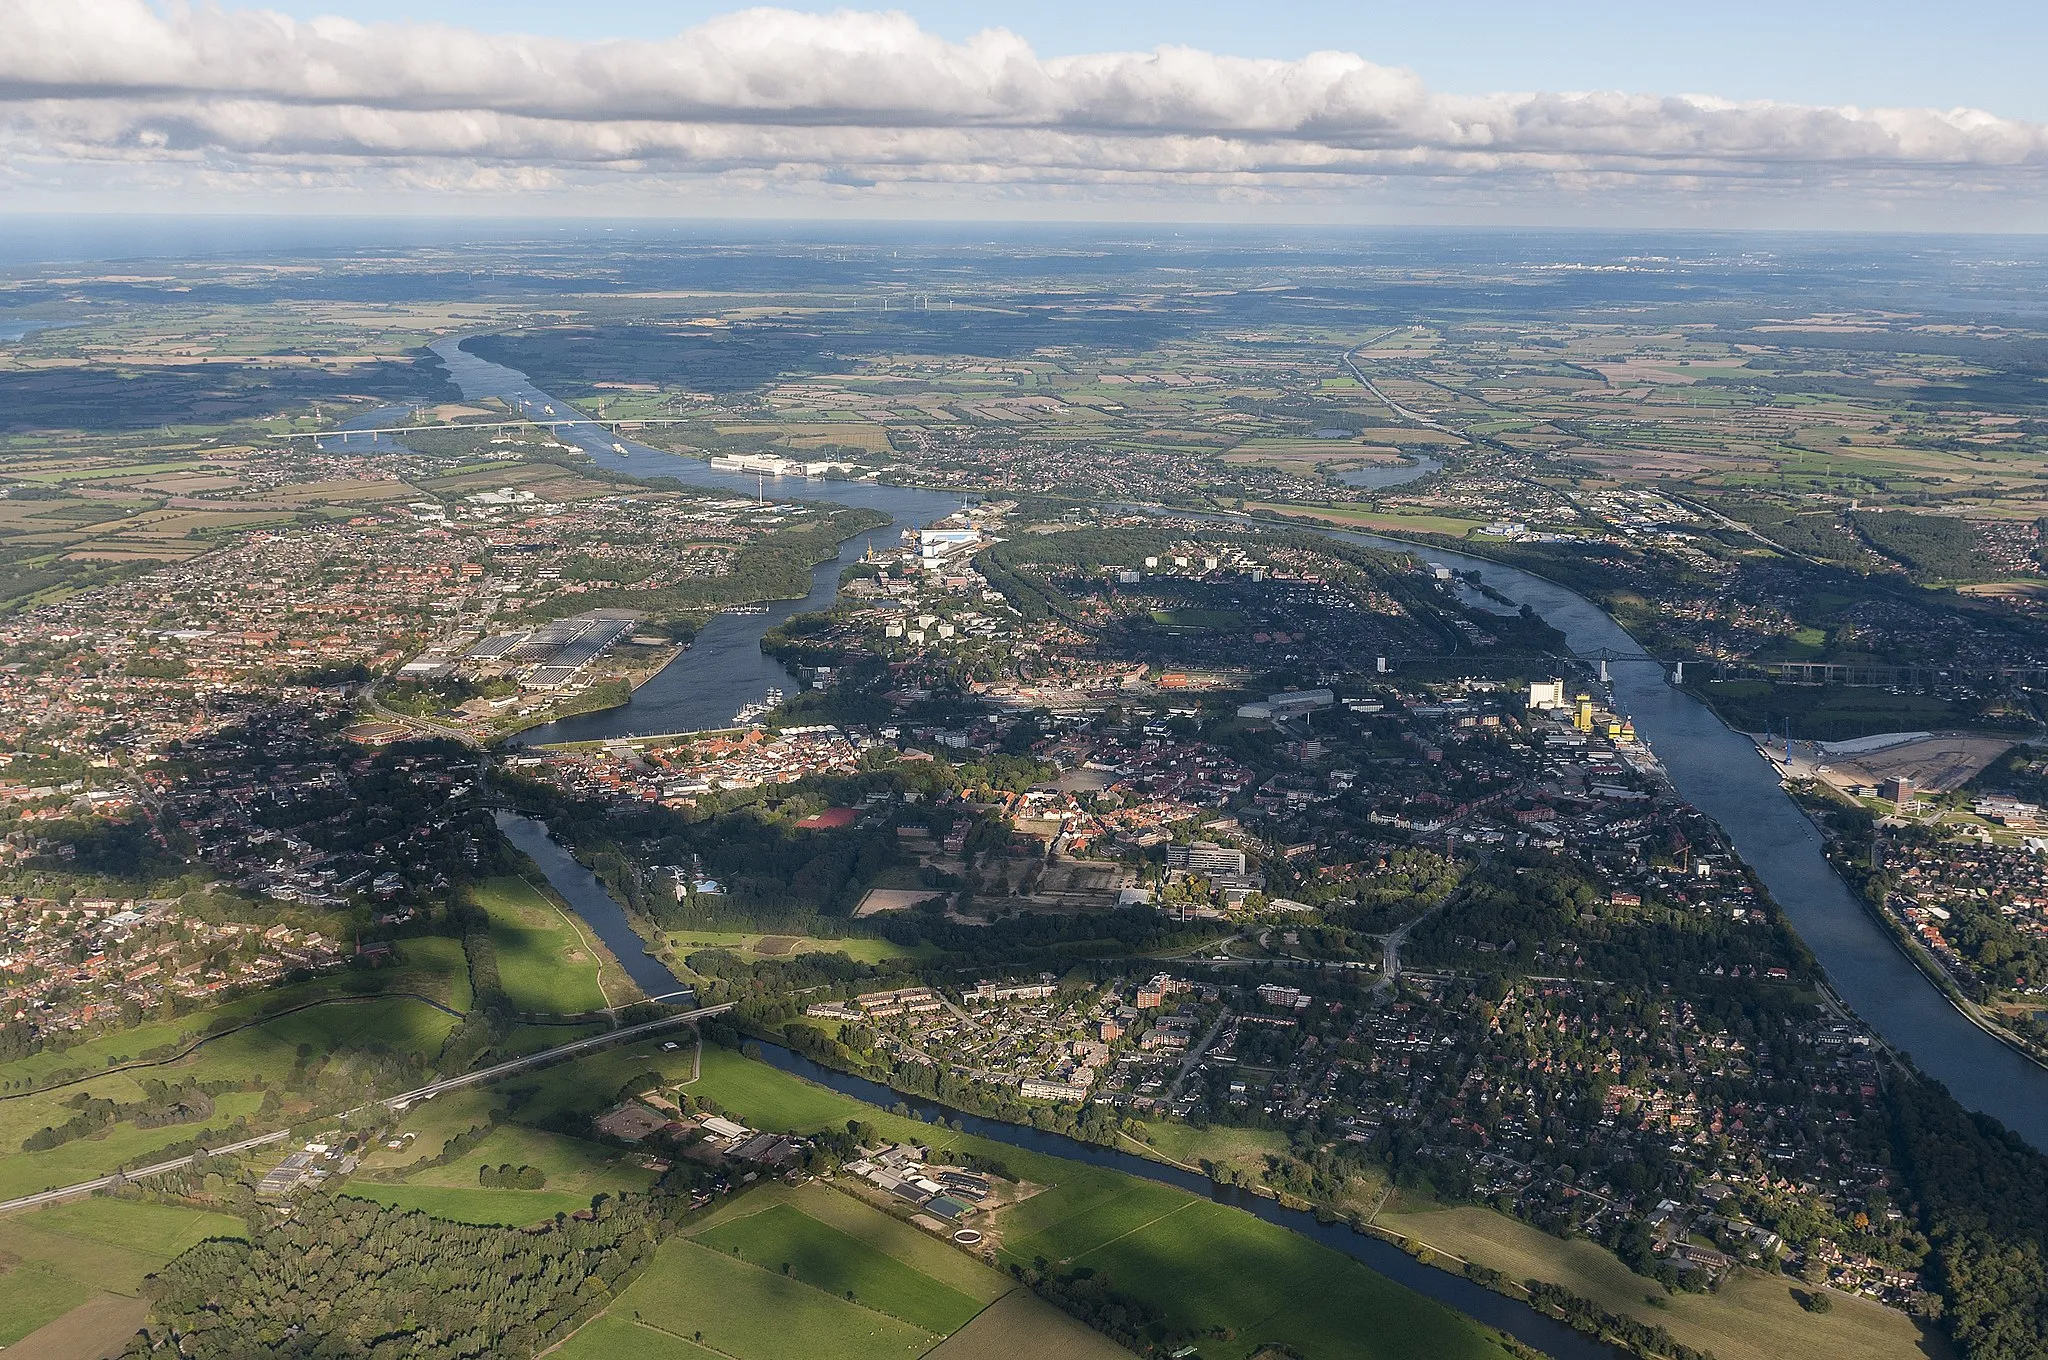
547 965
614 1338
67 1256
102 1325
1233 1148
339 1030
1203 1265
397 1024
1022 1324
1242 1149
432 968
26 1173
570 1164
1752 1317
509 1208
859 948
752 1313
1388 521
768 1099
925 1254
783 1238
1211 1266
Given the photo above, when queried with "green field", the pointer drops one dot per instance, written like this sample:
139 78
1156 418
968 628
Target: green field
760 1314
512 1208
1197 620
782 1237
1827 712
1243 1149
571 1164
56 1259
612 1338
1201 1264
546 965
769 1099
25 1173
390 1024
432 967
1751 1317
859 948
1384 520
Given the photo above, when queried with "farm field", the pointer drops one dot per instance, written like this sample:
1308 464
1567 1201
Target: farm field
348 1031
570 1164
432 968
65 1257
781 1236
510 1208
1244 1149
607 1337
1022 1324
1752 1317
1372 519
1212 1266
752 1313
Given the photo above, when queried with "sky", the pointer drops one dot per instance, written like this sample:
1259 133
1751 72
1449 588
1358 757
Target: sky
1803 113
1877 52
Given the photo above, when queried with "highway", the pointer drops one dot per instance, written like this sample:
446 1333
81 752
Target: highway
395 1103
1396 407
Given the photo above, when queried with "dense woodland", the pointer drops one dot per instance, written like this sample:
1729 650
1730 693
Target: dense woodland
345 1278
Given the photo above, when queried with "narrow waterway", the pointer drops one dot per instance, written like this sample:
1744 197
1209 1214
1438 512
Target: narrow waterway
589 899
1717 770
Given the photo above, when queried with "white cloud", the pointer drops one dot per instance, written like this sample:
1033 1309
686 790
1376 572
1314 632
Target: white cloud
869 102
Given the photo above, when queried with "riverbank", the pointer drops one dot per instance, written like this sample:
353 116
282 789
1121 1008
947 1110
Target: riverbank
1932 968
1713 768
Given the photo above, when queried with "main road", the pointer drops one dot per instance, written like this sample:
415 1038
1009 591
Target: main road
397 1102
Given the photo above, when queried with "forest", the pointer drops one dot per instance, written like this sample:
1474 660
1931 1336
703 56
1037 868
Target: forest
347 1278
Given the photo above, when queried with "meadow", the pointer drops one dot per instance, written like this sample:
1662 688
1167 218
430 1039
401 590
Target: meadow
783 1237
1203 1265
1751 1317
546 963
752 946
66 1256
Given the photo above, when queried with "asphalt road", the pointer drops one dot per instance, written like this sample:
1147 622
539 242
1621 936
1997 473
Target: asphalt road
397 1102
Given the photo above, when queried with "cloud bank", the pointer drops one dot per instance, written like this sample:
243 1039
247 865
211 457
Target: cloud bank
863 103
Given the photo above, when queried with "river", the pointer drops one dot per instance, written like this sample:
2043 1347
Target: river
724 666
587 895
1720 772
588 898
1717 770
